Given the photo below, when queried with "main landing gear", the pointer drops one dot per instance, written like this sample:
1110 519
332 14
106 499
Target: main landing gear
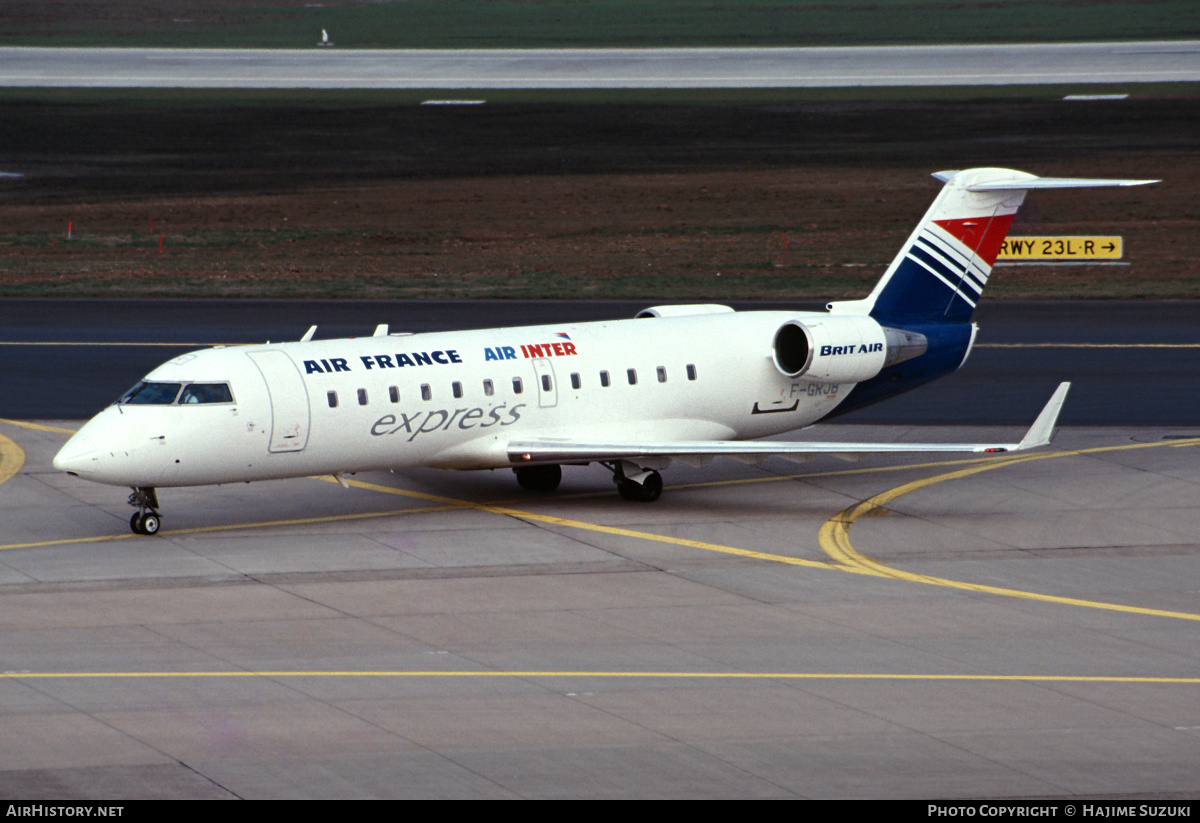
146 520
633 482
539 478
642 485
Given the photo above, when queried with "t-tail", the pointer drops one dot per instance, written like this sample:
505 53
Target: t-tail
930 290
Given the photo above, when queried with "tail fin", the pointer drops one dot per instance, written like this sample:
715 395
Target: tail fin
944 265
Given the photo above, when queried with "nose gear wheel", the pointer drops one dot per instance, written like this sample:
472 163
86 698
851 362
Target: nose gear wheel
146 520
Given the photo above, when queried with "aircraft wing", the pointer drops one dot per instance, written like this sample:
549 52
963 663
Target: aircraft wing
688 451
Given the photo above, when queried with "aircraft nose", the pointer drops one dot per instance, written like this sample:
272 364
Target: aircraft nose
78 453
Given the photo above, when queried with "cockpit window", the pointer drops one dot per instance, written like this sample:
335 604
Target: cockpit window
206 393
151 394
164 394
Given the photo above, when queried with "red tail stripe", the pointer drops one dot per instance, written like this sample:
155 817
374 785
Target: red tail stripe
983 235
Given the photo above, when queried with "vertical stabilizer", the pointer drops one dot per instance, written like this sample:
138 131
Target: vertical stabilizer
944 265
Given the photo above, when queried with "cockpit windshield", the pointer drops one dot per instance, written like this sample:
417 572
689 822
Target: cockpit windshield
164 394
151 394
206 393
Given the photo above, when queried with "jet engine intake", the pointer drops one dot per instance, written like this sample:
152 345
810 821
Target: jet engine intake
793 349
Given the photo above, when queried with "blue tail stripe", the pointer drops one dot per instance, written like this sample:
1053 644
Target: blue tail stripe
951 266
953 278
947 248
912 294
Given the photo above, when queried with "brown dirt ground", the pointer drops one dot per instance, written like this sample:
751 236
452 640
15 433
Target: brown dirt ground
650 201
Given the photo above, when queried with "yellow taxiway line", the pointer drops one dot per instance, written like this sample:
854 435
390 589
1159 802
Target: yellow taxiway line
833 537
12 458
25 424
595 527
630 675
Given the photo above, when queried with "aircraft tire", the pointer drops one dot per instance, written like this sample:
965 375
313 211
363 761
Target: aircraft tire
652 487
646 492
151 523
539 478
135 522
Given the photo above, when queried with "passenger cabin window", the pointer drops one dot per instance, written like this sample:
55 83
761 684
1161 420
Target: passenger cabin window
456 387
632 374
394 393
575 381
691 371
488 388
362 397
518 387
332 399
604 381
151 394
662 375
206 393
426 392
546 382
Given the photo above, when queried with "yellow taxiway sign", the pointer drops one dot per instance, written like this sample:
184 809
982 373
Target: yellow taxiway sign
1062 248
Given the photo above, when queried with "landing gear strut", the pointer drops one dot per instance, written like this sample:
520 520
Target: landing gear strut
146 520
643 487
539 478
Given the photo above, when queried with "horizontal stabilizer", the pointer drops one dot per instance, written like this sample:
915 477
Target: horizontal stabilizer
942 269
1029 183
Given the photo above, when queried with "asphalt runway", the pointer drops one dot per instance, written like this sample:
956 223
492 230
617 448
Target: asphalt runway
1131 62
1017 626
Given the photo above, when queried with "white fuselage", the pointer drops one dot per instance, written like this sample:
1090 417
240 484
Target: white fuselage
456 399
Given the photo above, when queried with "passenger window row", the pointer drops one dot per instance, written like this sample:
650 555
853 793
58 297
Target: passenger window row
489 389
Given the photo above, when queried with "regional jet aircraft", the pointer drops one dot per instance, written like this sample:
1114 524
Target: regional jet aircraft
680 383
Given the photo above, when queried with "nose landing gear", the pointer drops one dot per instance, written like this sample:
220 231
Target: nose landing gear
146 520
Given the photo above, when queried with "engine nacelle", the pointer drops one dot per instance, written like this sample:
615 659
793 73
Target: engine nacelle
834 348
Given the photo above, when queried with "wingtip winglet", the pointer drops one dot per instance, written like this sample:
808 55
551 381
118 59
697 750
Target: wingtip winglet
1042 430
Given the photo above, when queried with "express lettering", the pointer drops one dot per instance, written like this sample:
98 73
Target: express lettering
442 419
